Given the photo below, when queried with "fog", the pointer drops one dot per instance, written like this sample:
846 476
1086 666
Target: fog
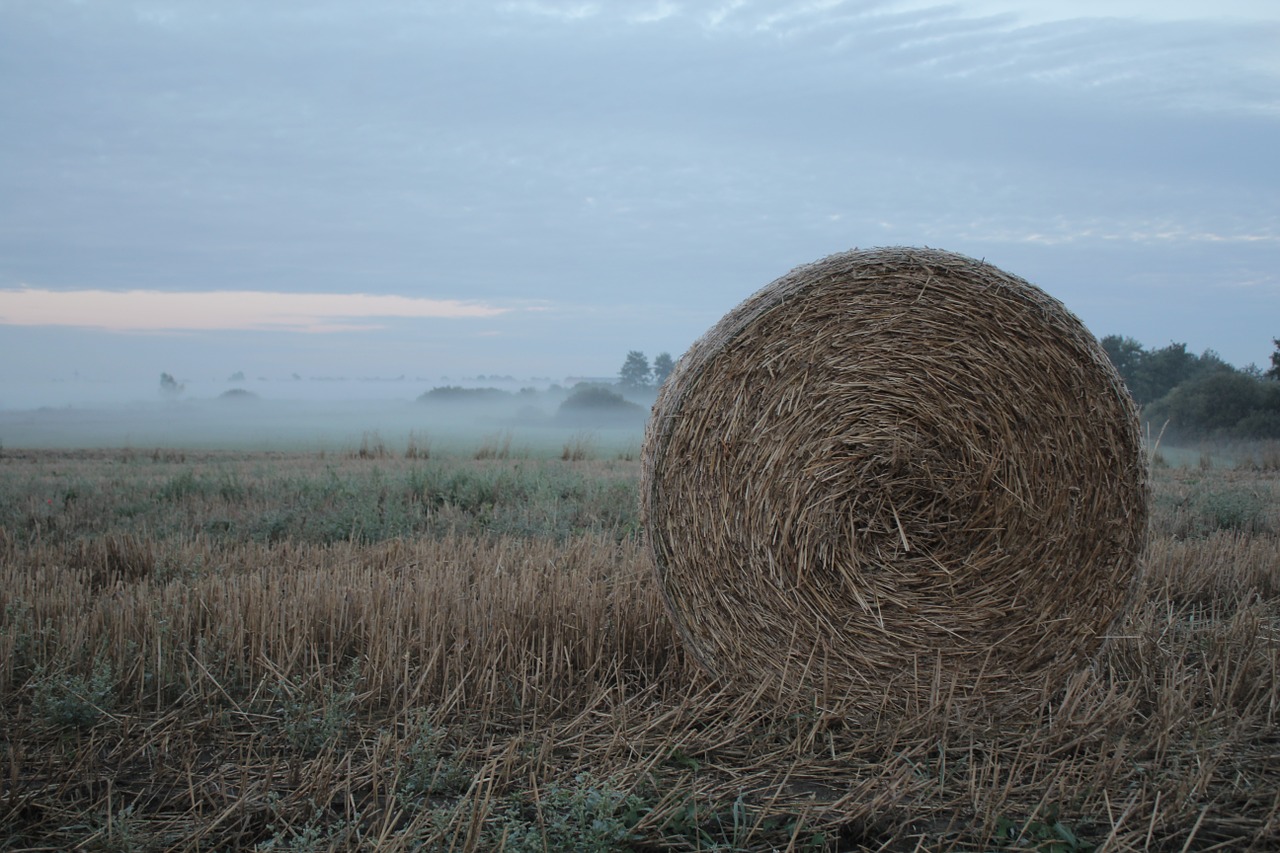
381 416
78 391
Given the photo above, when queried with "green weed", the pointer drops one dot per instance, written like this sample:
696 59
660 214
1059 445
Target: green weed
430 767
71 700
1045 833
587 816
312 723
321 832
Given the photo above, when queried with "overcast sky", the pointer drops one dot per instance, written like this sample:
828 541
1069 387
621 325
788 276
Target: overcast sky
535 188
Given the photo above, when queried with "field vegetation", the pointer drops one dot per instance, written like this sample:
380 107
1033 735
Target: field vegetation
395 649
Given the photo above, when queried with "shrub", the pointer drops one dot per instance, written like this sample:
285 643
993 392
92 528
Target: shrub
458 394
1221 404
598 405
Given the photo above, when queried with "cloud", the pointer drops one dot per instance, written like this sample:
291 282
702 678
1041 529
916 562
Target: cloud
652 15
150 310
721 13
1146 10
567 12
803 13
1136 53
1051 230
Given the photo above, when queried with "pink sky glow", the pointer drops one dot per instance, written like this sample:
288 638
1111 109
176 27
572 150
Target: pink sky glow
151 310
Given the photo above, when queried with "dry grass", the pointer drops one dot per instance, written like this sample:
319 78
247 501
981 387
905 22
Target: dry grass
892 467
181 690
579 448
495 446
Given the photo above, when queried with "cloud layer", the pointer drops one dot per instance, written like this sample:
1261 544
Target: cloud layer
151 310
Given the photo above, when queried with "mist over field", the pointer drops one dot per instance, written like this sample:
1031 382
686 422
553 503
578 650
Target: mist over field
329 414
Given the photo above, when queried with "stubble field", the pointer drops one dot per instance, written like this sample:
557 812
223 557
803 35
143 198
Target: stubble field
378 650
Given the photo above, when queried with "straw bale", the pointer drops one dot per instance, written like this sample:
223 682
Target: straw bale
894 469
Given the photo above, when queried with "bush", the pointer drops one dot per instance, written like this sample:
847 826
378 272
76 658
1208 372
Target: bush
1151 374
1222 404
599 405
1260 424
458 394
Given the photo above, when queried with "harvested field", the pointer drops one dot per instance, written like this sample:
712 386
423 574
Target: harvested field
295 652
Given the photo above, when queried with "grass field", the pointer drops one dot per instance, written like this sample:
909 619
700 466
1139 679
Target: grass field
377 649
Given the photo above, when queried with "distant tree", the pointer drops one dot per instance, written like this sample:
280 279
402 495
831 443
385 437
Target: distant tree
1125 353
1163 369
635 372
238 376
1151 374
662 367
169 386
1211 362
1274 372
1126 356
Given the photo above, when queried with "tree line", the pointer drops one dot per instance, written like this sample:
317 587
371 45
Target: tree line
637 374
1199 396
1194 396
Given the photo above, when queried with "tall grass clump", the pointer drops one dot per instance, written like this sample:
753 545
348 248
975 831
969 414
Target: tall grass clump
418 447
371 447
580 447
495 446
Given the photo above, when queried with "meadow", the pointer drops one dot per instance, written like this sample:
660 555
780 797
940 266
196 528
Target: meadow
389 648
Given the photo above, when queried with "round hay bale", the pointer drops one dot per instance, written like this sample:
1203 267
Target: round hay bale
894 469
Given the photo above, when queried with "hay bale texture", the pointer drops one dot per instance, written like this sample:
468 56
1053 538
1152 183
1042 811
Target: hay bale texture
891 469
